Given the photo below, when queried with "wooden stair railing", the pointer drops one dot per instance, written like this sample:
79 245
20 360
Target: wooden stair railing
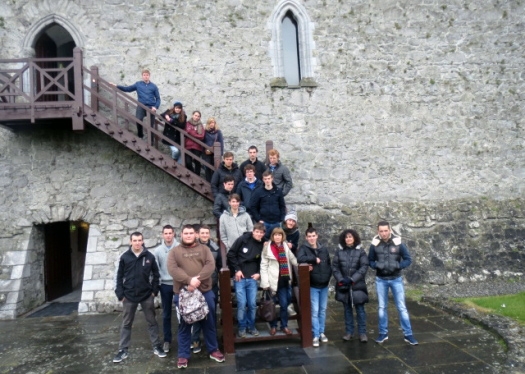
38 89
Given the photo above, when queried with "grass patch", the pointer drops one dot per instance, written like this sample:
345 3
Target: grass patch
505 305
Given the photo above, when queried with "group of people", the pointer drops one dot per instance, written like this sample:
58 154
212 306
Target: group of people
270 263
195 262
176 119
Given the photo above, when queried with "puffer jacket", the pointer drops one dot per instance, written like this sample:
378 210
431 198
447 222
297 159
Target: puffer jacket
389 258
134 274
270 266
321 272
231 227
351 262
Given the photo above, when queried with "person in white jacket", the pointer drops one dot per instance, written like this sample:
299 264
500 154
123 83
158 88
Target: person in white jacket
276 274
234 222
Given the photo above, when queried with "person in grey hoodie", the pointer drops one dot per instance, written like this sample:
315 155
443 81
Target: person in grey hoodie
234 222
166 281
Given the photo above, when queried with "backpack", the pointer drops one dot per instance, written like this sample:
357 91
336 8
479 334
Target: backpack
192 306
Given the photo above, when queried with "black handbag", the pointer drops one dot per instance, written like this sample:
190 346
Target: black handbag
266 309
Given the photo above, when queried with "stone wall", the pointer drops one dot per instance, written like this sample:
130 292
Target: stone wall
417 117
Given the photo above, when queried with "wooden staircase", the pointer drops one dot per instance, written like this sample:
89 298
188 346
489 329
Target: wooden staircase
37 91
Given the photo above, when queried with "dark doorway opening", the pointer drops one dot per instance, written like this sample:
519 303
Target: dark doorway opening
65 257
54 41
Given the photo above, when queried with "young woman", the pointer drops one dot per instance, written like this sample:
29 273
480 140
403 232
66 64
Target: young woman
349 267
175 117
212 135
195 128
276 273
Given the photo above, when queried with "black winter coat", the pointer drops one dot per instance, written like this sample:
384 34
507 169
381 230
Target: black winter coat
267 205
351 262
134 274
321 272
169 128
245 255
219 174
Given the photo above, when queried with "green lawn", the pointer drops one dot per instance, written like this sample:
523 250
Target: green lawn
512 306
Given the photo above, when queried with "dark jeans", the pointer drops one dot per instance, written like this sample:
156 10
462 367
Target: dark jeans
129 310
283 297
140 113
193 160
207 171
166 295
207 325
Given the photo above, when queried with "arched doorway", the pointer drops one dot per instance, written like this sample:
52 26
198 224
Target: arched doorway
54 41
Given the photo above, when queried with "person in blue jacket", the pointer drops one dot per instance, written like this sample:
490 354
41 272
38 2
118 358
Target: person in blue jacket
148 95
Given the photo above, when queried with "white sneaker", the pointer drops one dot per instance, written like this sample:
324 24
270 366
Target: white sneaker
323 338
291 310
315 343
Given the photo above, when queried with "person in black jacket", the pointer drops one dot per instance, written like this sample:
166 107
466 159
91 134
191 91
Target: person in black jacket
176 119
267 205
244 258
226 168
349 267
389 256
259 166
317 256
137 283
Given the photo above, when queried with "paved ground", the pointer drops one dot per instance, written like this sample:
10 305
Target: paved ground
87 344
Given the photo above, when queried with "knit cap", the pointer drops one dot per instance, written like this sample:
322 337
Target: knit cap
291 215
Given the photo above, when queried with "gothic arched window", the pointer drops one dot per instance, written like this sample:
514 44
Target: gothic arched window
291 46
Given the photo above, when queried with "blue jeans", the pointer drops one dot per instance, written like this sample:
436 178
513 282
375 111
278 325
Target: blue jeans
349 318
166 296
246 292
318 300
283 297
207 325
175 154
269 228
398 292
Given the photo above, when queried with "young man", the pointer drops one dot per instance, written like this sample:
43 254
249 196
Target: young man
226 168
318 258
244 258
138 267
148 95
191 265
281 174
248 185
254 161
221 199
234 221
204 238
267 204
166 281
388 256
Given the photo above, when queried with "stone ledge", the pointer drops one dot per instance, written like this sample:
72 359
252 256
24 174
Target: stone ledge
511 332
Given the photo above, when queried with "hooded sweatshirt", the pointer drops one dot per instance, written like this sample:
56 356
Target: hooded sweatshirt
161 255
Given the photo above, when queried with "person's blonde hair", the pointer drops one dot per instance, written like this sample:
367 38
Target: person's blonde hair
210 120
146 71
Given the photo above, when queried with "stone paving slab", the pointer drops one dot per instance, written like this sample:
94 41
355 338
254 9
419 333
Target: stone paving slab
87 344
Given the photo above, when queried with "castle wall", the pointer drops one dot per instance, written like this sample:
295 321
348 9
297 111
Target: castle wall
417 117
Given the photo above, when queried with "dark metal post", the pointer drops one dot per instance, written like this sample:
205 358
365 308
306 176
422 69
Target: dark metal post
305 314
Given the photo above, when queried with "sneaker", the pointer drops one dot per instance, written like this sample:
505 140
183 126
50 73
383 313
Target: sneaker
121 355
347 337
253 332
323 338
166 347
196 347
182 363
363 338
291 310
159 351
381 338
315 342
241 333
410 340
217 356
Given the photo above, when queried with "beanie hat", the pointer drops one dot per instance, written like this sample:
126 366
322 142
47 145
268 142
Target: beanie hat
177 103
291 215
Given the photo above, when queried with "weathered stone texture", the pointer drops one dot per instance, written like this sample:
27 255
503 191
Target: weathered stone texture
417 117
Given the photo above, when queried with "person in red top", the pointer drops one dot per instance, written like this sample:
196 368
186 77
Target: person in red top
195 128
